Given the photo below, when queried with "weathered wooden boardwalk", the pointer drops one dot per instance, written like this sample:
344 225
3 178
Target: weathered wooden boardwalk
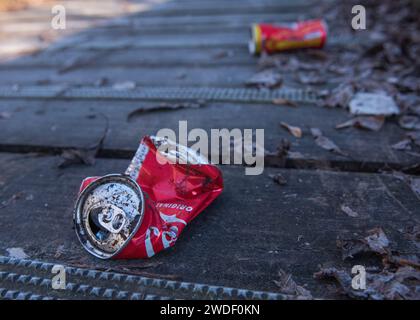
61 95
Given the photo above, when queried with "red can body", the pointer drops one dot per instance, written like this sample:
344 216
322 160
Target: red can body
174 195
271 38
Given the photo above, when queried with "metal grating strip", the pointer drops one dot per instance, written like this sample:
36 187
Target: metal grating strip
160 93
174 287
21 295
80 289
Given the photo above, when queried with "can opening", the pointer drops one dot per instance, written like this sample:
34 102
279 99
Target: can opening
108 213
100 233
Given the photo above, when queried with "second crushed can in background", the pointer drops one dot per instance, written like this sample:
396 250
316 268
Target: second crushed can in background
271 38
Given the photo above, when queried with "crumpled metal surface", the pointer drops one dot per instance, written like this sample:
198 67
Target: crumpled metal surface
174 193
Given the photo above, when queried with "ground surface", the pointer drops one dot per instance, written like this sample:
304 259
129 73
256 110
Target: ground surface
58 89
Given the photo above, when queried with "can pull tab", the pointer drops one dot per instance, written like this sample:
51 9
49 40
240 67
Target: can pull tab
112 218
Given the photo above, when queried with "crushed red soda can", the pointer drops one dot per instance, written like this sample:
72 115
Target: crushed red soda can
272 38
142 212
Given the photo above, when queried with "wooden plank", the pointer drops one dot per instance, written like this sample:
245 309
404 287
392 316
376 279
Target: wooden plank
138 20
137 57
52 124
79 9
252 230
226 8
228 20
148 76
86 72
205 69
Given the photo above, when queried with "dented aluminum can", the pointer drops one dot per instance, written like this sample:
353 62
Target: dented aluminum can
271 38
142 212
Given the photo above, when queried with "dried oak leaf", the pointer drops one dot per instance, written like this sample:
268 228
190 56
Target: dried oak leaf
286 102
266 78
5 115
279 156
375 242
124 85
409 122
378 104
341 276
77 156
340 96
401 261
82 155
163 107
283 148
325 143
348 211
278 178
311 78
269 61
289 287
403 145
373 123
295 131
316 54
379 286
222 54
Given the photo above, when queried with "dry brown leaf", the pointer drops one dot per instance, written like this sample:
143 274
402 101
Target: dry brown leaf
375 242
415 137
266 78
163 107
281 153
288 286
278 178
409 122
311 78
373 123
222 54
295 131
378 104
317 54
82 155
286 102
5 115
385 285
325 143
403 145
124 85
340 96
348 211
